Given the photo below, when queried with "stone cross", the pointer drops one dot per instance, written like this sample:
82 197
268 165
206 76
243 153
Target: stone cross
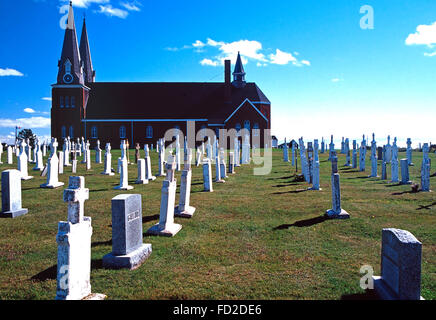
75 195
137 153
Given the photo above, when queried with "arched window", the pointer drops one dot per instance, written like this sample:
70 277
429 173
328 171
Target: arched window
122 132
61 101
247 124
94 132
64 132
71 132
67 102
73 102
238 126
256 129
149 132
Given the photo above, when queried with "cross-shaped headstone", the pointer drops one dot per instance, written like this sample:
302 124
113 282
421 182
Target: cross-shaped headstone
53 146
171 167
75 195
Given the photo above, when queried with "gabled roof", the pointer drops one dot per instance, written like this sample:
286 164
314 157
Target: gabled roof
169 100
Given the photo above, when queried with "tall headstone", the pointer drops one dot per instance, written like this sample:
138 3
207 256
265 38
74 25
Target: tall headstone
336 212
331 148
347 153
22 162
161 144
374 162
223 166
108 161
218 178
148 174
53 168
384 175
425 169
166 225
74 246
409 152
122 162
285 152
39 166
66 150
137 153
207 175
88 155
362 155
11 194
388 152
178 165
141 172
293 152
198 158
315 182
322 145
394 162
128 250
404 171
61 162
98 152
10 155
400 266
231 163
74 159
343 146
184 209
354 158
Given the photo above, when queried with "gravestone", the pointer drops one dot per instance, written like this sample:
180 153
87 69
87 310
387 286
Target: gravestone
198 158
184 210
1 152
39 166
61 162
218 178
52 168
122 164
409 152
128 250
374 162
379 153
166 226
10 158
66 150
331 148
293 152
88 155
161 144
98 152
148 174
347 153
11 194
223 167
22 162
384 175
108 161
322 145
74 246
394 162
315 182
362 155
405 171
354 158
285 152
231 163
141 172
388 152
207 175
425 169
336 212
137 153
178 152
400 266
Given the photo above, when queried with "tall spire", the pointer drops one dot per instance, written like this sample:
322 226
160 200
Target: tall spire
70 70
85 54
239 73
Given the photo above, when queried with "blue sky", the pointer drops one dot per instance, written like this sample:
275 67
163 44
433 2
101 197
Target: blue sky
323 73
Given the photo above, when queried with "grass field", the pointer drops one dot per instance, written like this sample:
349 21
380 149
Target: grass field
254 237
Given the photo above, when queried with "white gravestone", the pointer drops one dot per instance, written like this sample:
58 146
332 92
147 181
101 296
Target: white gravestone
22 162
409 152
10 158
184 210
128 250
207 175
293 152
98 152
198 158
336 212
53 168
362 155
39 166
161 144
141 172
354 156
66 162
394 162
425 169
61 162
231 163
166 225
218 170
108 161
285 152
11 194
148 174
223 166
74 246
374 162
122 164
404 171
400 266
87 155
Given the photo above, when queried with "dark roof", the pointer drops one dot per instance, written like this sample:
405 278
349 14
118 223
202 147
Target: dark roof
85 55
239 68
166 100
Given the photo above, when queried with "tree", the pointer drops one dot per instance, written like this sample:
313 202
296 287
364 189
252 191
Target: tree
27 134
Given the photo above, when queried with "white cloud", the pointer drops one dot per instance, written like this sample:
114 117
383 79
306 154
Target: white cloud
110 11
29 110
424 35
337 80
248 49
46 98
85 3
28 123
281 57
432 54
131 6
10 72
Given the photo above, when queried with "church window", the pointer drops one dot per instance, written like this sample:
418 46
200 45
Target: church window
247 125
73 102
71 132
64 132
149 132
61 101
67 102
122 132
94 132
68 66
256 129
238 127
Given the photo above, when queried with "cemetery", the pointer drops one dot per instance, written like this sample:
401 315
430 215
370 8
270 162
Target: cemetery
268 236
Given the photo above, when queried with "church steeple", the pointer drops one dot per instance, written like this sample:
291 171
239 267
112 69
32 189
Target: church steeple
70 69
239 73
85 54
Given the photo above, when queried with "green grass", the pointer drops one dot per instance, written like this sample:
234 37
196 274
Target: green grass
232 248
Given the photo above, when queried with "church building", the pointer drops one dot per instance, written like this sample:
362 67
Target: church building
143 111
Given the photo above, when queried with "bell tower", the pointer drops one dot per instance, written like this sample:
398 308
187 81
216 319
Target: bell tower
69 94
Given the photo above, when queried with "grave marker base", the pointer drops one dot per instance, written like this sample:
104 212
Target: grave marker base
13 214
123 188
129 261
187 213
169 231
331 214
51 186
383 290
145 181
95 296
26 177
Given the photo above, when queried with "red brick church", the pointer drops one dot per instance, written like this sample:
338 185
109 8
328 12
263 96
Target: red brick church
143 111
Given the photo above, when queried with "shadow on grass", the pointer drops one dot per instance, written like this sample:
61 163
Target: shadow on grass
390 185
349 170
150 218
36 188
291 191
99 190
101 243
51 272
362 177
303 223
428 207
285 185
368 295
282 178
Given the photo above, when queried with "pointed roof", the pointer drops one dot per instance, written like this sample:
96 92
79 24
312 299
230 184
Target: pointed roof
85 54
239 67
70 53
